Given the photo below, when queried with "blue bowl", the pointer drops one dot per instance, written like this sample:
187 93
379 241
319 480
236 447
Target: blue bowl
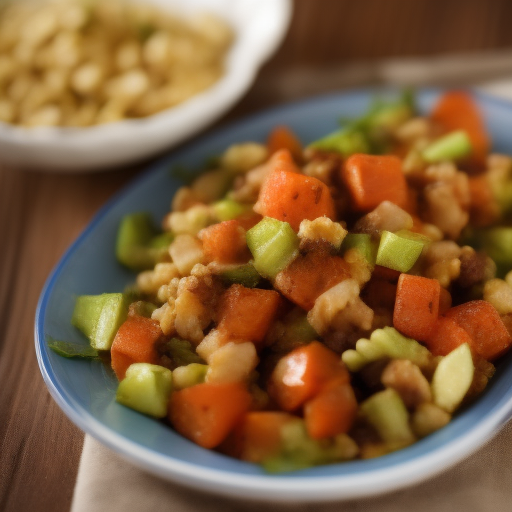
85 390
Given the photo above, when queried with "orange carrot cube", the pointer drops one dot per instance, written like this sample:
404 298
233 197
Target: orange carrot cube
479 318
302 374
281 137
246 313
257 436
416 306
484 209
206 413
309 275
371 179
225 242
331 412
446 336
282 160
292 197
135 342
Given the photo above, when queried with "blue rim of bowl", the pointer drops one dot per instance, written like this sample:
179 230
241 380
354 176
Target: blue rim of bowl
366 478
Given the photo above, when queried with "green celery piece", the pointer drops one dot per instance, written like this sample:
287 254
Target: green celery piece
139 245
387 413
398 252
161 241
245 275
385 343
346 141
228 209
181 352
452 378
363 243
389 116
273 244
67 349
300 329
99 317
146 388
497 243
453 146
501 186
189 375
299 451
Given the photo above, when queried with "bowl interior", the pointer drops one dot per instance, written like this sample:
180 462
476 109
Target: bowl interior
86 390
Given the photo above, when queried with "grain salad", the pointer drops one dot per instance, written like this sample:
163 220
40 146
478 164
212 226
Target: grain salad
311 303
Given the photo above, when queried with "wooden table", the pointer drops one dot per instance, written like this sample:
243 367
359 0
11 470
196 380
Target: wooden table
41 214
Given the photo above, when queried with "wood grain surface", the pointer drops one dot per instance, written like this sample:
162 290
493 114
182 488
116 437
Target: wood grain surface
42 213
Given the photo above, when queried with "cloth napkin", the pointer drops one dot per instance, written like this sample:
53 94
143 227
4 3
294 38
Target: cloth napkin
480 483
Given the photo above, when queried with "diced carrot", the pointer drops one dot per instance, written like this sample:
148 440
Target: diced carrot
282 160
245 314
371 179
481 320
258 435
292 197
135 342
483 209
445 301
457 110
281 137
309 275
416 306
225 242
302 373
331 412
446 336
206 413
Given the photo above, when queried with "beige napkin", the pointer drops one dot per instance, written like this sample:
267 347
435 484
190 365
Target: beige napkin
481 483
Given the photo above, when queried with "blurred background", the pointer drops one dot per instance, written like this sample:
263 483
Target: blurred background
331 45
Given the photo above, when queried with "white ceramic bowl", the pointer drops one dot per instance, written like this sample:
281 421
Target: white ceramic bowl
260 26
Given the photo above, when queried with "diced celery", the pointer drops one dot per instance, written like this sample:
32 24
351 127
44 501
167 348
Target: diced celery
363 243
390 116
387 413
385 342
273 244
99 317
245 275
452 378
497 243
146 388
189 375
299 451
353 360
345 141
453 146
139 245
227 209
398 252
67 349
181 352
300 329
370 132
